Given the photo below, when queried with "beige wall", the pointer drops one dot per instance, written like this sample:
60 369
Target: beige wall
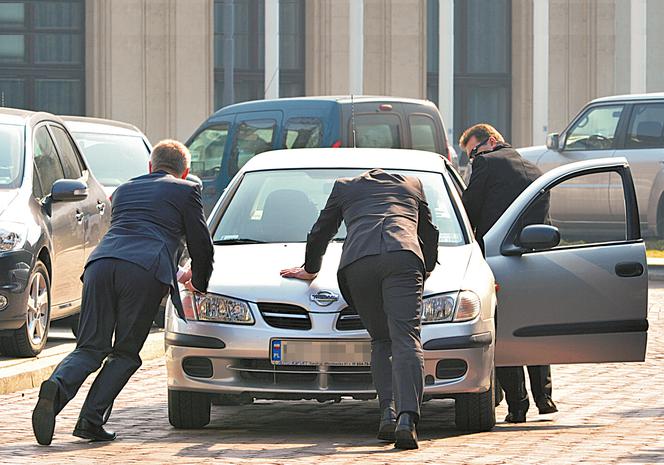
149 62
655 46
394 47
522 73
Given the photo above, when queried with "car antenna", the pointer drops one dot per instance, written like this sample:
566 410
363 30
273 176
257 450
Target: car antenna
352 118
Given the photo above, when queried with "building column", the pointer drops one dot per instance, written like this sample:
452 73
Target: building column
540 71
271 49
446 65
638 50
356 47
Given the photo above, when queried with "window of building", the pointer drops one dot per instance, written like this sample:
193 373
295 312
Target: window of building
42 64
239 44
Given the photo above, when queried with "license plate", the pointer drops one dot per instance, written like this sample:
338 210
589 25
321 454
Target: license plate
320 352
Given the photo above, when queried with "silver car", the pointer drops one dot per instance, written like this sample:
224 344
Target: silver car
630 126
255 335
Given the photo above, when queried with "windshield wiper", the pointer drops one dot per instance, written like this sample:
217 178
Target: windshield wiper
237 240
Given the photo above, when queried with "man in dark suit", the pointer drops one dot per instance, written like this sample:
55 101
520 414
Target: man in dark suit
124 281
390 245
499 175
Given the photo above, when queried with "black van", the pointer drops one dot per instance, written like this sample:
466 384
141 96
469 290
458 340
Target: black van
234 134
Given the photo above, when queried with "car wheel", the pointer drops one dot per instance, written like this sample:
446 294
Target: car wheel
30 339
660 218
188 410
475 412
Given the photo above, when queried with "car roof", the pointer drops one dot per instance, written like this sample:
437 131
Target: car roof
327 100
361 158
22 117
630 97
100 126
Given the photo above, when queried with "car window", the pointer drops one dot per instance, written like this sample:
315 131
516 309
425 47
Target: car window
11 155
46 159
302 133
423 133
36 185
283 205
207 150
595 130
569 206
252 137
377 131
646 127
67 152
114 158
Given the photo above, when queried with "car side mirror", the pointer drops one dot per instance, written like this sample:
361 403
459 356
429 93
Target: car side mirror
68 190
553 141
539 237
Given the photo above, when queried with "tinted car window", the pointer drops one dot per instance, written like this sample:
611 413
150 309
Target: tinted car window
281 206
595 130
207 150
68 155
646 127
423 133
301 133
114 158
46 159
377 131
252 138
11 155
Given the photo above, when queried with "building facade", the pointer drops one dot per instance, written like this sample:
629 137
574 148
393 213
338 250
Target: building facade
526 66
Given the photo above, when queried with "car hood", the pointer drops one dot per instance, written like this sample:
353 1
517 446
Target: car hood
6 198
251 272
532 153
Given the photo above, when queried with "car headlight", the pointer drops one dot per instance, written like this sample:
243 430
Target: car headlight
216 308
453 306
12 235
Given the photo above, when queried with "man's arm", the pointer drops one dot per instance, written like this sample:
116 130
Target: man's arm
474 195
199 242
323 231
427 233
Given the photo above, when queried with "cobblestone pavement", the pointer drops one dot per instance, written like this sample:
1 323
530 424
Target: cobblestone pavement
610 413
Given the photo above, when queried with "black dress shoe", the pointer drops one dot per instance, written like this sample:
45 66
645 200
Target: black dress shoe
388 421
405 434
43 416
518 416
86 430
545 405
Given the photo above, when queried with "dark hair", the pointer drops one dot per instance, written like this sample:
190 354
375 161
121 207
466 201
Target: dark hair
481 132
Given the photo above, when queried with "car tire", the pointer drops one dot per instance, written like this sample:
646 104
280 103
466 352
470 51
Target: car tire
660 218
30 339
475 413
188 410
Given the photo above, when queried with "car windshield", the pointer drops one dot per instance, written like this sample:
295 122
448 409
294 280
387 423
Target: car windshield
282 206
114 158
11 155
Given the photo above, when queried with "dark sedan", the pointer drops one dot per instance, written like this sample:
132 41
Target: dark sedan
53 212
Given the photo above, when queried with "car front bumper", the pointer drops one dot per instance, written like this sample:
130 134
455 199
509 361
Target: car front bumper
15 268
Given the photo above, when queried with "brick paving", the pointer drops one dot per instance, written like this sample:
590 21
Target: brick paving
610 413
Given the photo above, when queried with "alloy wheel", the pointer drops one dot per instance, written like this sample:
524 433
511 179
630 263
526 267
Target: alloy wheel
37 318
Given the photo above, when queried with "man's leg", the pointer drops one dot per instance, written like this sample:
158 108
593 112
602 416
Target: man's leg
513 381
541 388
139 295
97 321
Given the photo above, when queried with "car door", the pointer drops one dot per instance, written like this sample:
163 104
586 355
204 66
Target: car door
593 134
67 226
573 302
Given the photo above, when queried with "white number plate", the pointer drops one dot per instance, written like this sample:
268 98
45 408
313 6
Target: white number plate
320 352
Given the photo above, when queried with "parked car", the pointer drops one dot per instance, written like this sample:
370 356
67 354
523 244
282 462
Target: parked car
53 212
257 335
630 126
115 151
234 134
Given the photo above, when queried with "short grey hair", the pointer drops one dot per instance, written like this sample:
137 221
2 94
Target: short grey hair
171 156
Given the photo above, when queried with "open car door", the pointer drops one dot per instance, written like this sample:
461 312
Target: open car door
567 298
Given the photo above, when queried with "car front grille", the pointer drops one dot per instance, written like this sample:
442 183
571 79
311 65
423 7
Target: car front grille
349 320
285 316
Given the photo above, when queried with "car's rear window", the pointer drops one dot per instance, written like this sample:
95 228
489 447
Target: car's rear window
282 205
114 158
11 155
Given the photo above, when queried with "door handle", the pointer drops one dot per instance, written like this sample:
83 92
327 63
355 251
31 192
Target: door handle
79 217
101 207
629 269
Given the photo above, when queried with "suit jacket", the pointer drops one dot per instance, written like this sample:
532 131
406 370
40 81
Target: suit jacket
152 217
497 179
382 212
